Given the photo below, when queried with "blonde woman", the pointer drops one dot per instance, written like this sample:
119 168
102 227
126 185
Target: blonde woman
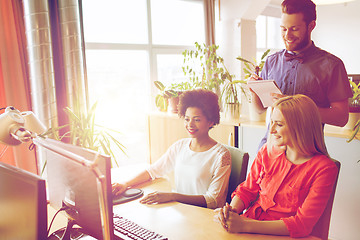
291 178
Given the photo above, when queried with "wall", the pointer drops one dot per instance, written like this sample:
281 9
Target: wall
345 217
235 31
236 34
337 31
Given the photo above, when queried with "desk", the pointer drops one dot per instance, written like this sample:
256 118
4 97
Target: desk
174 220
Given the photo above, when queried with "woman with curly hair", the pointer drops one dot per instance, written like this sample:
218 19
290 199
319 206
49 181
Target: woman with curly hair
201 165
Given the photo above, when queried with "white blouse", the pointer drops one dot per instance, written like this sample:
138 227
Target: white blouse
197 173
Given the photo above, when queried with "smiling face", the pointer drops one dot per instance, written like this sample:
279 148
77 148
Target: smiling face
196 123
295 32
279 130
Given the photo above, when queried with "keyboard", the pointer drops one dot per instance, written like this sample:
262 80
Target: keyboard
128 230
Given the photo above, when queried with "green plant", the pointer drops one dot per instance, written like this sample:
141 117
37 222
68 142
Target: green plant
231 92
84 132
204 67
354 106
161 99
181 87
355 90
355 131
252 67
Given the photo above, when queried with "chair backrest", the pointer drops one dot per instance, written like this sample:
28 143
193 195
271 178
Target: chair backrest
239 164
321 228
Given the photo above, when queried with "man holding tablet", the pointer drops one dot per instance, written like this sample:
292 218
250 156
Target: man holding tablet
303 68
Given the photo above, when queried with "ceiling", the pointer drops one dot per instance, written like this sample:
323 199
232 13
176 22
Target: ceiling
276 2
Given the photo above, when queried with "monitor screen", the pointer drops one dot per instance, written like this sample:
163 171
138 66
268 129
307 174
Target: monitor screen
23 206
72 182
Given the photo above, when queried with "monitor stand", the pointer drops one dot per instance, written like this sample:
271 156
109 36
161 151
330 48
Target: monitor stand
69 233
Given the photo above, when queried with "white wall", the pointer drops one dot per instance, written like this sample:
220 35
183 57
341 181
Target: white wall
236 33
338 32
345 216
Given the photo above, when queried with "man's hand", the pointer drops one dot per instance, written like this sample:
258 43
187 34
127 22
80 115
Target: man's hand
254 77
276 96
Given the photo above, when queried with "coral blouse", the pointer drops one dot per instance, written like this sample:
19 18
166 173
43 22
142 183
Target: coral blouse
296 194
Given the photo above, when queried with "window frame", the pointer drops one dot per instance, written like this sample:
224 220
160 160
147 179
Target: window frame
153 49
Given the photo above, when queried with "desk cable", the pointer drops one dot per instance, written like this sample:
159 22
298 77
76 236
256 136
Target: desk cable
52 220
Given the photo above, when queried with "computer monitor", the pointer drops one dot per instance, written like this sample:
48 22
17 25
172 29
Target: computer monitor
23 205
80 179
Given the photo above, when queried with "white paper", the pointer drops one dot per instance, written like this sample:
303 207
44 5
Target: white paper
263 88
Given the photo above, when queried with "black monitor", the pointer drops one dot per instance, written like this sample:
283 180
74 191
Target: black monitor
23 205
79 179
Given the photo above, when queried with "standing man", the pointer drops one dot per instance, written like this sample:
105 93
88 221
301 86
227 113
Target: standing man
303 68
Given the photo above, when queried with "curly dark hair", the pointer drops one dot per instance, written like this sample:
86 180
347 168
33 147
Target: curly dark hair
205 100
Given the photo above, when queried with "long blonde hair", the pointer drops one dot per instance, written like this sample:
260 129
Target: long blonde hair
302 117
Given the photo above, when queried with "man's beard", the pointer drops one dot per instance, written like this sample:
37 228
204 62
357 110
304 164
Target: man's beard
304 42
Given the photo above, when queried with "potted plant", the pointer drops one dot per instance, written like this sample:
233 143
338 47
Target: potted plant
250 68
162 98
253 67
204 67
84 132
354 102
179 88
231 96
354 110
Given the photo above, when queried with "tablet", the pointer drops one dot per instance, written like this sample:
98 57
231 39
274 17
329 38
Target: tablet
263 88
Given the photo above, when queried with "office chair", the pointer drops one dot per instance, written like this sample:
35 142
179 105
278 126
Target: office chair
321 228
239 164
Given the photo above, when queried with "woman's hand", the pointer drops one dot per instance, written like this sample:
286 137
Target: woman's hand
236 223
230 220
158 197
118 188
222 215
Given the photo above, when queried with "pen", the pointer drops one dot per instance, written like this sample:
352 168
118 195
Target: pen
257 69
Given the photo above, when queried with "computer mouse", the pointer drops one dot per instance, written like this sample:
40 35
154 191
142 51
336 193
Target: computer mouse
132 192
129 195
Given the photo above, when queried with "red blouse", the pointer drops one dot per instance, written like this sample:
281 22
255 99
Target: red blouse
296 194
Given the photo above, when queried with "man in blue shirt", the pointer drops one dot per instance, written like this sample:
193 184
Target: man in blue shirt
306 69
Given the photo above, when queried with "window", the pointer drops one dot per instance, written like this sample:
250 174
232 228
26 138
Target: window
130 44
177 22
268 35
115 21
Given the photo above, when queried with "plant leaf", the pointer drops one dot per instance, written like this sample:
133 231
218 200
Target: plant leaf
265 54
159 85
354 132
